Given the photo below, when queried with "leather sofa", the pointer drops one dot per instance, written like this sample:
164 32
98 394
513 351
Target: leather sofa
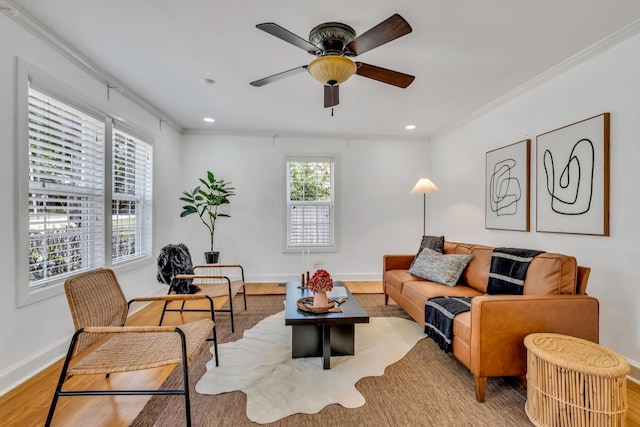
489 339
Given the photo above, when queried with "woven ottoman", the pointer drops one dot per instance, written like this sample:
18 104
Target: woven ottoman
574 383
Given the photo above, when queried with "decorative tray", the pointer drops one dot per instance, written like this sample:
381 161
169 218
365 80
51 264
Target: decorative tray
306 304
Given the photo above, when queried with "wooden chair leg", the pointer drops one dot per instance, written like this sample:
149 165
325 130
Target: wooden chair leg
481 386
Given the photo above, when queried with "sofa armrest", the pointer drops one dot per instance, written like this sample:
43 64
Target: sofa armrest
396 262
499 324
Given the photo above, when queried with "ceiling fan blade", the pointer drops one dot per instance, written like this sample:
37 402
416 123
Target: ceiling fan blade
389 29
331 96
279 76
288 36
383 75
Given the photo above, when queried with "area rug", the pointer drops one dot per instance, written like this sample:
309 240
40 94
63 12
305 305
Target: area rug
260 365
427 387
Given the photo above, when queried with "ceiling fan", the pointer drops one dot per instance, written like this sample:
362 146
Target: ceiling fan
333 44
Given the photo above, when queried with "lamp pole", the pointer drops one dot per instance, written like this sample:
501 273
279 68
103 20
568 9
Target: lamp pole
424 186
424 214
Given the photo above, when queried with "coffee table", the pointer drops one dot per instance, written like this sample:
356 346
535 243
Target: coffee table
322 335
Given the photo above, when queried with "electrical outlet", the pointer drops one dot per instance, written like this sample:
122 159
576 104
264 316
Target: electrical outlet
316 262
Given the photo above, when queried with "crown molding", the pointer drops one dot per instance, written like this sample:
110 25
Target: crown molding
53 40
266 133
571 62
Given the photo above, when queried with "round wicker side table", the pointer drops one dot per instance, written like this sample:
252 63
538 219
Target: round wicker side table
574 383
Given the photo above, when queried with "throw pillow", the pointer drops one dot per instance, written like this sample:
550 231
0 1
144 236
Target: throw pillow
435 243
440 268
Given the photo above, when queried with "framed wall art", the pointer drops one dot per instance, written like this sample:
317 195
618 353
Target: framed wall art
572 178
507 187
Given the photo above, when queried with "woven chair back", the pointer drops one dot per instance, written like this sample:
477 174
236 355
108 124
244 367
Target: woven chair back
95 299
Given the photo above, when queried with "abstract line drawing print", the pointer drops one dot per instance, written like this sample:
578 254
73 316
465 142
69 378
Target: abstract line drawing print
504 189
571 190
506 198
572 178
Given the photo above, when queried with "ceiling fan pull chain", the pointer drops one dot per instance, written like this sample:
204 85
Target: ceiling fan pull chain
331 111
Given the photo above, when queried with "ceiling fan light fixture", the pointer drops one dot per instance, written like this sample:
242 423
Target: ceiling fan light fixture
332 70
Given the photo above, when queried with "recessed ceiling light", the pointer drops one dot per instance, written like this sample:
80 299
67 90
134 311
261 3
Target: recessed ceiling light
410 127
209 120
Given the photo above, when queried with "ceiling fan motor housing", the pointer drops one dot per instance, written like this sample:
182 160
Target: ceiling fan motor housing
332 37
334 44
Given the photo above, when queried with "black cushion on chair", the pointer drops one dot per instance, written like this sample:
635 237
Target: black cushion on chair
174 260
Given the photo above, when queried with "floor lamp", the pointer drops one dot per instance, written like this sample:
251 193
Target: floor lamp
424 186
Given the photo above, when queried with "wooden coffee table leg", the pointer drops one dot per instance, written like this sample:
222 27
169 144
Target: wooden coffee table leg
326 347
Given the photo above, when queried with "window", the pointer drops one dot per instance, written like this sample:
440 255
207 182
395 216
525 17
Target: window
130 197
84 188
66 190
310 202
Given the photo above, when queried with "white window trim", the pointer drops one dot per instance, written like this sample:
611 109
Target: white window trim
145 233
27 72
312 157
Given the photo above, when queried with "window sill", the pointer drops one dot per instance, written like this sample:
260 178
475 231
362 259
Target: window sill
31 296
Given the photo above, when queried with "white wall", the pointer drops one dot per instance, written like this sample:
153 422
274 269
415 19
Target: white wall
33 336
608 82
375 212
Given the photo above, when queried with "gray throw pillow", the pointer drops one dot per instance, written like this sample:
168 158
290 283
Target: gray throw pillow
440 268
435 243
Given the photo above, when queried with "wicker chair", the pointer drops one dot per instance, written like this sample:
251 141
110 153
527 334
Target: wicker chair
175 269
99 311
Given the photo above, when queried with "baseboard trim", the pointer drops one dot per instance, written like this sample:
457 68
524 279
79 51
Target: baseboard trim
16 374
634 374
278 278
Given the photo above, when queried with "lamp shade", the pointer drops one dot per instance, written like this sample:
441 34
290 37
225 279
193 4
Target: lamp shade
424 185
331 70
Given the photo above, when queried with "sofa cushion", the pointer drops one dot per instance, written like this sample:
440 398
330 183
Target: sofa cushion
437 267
422 290
395 279
462 326
477 273
551 274
435 243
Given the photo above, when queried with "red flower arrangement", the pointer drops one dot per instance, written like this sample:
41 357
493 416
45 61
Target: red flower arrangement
321 281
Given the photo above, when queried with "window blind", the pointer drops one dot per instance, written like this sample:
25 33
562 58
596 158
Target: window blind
66 189
310 225
131 207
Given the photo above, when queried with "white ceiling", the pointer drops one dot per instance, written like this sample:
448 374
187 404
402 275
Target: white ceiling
464 53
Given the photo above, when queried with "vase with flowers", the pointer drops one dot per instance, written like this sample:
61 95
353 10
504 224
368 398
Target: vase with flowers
320 283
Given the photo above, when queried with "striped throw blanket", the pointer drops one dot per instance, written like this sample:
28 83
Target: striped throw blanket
508 270
438 318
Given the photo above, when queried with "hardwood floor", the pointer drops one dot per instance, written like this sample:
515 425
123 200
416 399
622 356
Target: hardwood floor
28 404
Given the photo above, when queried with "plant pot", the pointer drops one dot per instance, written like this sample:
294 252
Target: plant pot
211 257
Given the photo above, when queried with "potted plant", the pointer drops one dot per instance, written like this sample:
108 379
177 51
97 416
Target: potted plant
205 200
